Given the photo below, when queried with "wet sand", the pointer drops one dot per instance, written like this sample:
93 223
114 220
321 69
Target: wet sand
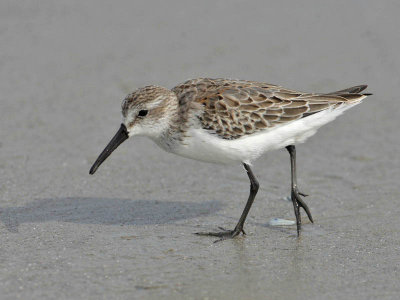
127 231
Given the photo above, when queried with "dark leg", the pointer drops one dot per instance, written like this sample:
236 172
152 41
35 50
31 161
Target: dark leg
296 199
239 227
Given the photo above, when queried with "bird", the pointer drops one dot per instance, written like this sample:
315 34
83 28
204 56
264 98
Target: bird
228 121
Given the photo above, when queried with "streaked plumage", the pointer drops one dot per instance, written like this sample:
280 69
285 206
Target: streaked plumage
236 108
230 121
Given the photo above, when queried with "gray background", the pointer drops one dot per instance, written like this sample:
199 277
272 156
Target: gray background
127 231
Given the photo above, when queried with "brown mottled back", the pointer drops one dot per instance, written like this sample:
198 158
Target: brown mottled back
235 108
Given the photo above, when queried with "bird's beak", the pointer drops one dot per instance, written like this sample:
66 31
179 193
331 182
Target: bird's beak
118 139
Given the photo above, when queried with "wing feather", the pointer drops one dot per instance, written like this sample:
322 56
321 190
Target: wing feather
236 108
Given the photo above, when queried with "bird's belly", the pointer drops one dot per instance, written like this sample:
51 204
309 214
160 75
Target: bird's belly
204 150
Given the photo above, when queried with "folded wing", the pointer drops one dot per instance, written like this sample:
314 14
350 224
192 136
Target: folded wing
236 108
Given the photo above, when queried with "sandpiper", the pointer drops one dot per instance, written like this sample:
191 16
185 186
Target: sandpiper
230 121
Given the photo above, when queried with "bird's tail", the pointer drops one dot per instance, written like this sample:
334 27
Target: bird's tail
353 93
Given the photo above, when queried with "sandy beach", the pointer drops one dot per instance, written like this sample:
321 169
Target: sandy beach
127 231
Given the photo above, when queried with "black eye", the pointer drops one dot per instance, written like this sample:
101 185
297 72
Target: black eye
143 113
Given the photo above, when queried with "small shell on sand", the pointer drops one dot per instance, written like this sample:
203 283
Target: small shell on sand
281 222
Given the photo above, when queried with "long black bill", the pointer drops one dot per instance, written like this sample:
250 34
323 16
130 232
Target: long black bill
117 140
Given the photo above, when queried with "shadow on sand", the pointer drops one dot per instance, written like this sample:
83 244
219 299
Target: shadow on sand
104 211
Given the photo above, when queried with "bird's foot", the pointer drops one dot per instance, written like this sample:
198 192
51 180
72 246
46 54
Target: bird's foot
224 233
297 203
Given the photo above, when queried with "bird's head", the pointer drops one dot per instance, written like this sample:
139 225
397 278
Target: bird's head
148 112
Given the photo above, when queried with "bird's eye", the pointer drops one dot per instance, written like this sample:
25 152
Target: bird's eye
143 113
